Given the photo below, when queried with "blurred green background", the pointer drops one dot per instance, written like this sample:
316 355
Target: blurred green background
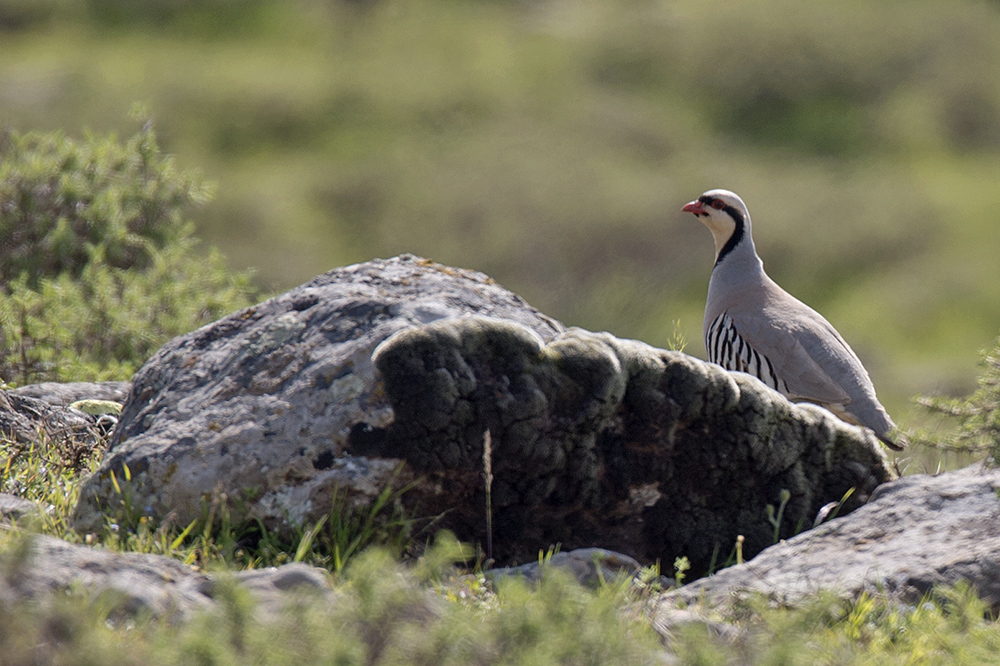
551 144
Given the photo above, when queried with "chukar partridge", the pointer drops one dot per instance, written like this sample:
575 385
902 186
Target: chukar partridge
752 325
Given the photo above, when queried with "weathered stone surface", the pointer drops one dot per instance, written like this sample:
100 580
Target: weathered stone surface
916 533
27 419
259 405
15 508
37 568
596 441
65 394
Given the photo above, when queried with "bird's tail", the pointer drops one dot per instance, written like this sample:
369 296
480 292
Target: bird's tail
894 439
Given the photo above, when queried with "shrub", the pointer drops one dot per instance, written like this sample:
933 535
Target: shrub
978 414
97 264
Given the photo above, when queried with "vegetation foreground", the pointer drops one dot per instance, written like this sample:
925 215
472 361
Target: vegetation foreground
435 609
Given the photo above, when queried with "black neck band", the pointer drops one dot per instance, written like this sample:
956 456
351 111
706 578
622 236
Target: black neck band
737 236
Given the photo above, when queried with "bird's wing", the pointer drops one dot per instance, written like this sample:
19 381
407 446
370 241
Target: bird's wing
804 349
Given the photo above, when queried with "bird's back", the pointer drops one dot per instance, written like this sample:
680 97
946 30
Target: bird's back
811 360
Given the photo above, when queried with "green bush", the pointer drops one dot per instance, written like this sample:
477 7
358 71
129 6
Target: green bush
97 264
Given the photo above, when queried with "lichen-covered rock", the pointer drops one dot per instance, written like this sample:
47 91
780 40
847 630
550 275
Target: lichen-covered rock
595 440
257 407
601 441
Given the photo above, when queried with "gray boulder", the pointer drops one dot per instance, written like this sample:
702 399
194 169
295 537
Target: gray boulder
258 407
39 568
65 394
13 507
393 371
28 419
916 533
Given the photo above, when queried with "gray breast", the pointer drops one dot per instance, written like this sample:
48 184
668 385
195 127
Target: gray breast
726 347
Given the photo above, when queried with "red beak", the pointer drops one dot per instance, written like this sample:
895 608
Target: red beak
693 207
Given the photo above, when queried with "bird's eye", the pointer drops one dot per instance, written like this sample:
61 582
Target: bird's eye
718 204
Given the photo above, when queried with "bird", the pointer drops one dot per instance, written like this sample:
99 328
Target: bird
752 325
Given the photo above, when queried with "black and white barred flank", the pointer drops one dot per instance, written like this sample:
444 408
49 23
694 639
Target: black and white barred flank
727 348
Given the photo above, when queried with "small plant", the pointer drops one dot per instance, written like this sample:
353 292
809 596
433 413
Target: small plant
978 415
775 517
644 589
351 529
830 510
678 339
545 556
681 566
47 471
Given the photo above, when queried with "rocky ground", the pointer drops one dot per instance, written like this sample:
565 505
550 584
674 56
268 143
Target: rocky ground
622 453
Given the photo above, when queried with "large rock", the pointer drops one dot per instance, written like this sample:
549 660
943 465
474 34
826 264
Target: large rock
259 405
915 534
596 441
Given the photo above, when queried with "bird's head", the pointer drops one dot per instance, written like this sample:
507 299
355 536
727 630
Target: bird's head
725 215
